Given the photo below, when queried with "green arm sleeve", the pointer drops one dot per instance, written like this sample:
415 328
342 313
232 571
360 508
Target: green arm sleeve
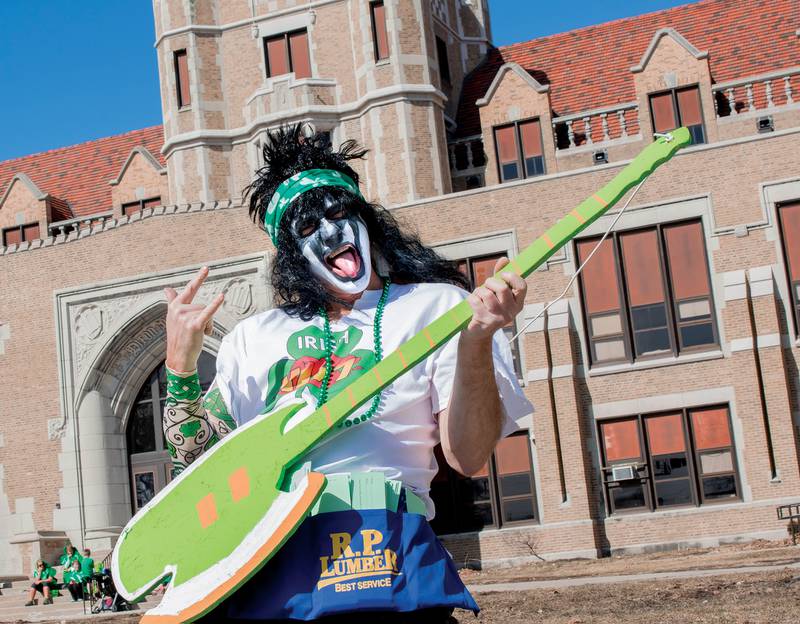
193 424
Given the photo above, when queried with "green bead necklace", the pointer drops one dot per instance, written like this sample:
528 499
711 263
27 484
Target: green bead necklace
376 329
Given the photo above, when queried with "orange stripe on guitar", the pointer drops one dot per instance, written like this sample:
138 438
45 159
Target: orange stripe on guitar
517 268
600 200
327 415
350 396
402 357
577 216
377 375
428 337
547 240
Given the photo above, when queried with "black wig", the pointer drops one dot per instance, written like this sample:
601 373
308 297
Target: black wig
397 253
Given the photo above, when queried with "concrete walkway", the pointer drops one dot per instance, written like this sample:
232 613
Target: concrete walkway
624 578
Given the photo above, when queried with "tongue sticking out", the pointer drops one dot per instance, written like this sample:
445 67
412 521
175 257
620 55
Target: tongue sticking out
346 264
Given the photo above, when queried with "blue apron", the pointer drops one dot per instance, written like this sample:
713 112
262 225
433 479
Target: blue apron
353 561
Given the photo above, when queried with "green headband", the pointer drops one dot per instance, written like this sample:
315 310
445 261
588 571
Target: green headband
291 188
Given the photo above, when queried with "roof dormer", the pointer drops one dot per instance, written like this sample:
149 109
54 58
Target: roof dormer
673 87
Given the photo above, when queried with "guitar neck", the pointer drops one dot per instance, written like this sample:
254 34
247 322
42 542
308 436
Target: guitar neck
413 351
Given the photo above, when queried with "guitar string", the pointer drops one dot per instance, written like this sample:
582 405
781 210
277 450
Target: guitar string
580 268
667 136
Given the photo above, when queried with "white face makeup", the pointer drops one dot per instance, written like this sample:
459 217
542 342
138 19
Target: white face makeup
337 250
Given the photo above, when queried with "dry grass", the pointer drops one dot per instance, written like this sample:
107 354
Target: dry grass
729 556
756 598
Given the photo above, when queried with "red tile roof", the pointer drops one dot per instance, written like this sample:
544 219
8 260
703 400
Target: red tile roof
79 174
590 67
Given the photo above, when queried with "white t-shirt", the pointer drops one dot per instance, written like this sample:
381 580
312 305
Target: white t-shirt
274 359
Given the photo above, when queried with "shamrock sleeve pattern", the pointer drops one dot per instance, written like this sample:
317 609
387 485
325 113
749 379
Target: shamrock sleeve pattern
193 425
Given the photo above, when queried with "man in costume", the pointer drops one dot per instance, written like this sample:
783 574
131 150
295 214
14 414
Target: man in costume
350 286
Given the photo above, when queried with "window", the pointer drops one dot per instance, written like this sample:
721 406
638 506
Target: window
789 220
20 234
519 150
288 53
657 461
139 205
150 462
182 79
380 39
676 108
501 494
444 63
478 270
647 293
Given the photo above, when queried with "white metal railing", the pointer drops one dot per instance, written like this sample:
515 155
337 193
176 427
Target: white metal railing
78 223
756 93
597 126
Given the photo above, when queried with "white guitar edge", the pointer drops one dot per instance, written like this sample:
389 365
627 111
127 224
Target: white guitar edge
139 593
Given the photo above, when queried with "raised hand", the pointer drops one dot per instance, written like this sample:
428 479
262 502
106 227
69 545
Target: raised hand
495 303
187 323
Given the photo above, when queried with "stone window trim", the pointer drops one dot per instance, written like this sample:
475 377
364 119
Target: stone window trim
646 215
25 231
631 332
788 218
695 119
693 447
300 67
182 86
129 208
380 36
520 146
505 463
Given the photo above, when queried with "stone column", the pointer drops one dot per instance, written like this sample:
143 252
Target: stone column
100 470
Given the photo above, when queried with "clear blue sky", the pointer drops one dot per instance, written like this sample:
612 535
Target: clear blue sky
76 70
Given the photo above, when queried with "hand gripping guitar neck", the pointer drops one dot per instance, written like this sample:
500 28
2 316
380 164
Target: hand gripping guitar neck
217 524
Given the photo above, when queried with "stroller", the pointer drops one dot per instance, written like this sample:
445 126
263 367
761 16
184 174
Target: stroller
105 596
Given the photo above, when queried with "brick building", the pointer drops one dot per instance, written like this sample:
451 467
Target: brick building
666 381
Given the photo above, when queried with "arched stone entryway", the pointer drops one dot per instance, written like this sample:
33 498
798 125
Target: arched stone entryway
112 338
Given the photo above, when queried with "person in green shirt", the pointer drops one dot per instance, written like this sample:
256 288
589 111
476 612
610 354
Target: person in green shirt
70 555
87 564
44 579
74 579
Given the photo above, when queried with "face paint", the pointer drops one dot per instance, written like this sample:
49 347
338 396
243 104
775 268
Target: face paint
336 246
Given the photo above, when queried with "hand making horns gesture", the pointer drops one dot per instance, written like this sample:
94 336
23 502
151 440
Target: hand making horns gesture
187 323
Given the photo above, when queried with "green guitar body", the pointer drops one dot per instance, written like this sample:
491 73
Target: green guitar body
225 516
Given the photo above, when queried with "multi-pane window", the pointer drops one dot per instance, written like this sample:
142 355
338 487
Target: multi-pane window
647 293
444 63
789 219
182 79
478 270
20 234
380 39
502 493
678 107
150 462
519 150
139 205
287 53
672 459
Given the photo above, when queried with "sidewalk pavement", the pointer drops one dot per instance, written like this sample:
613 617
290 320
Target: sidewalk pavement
624 578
